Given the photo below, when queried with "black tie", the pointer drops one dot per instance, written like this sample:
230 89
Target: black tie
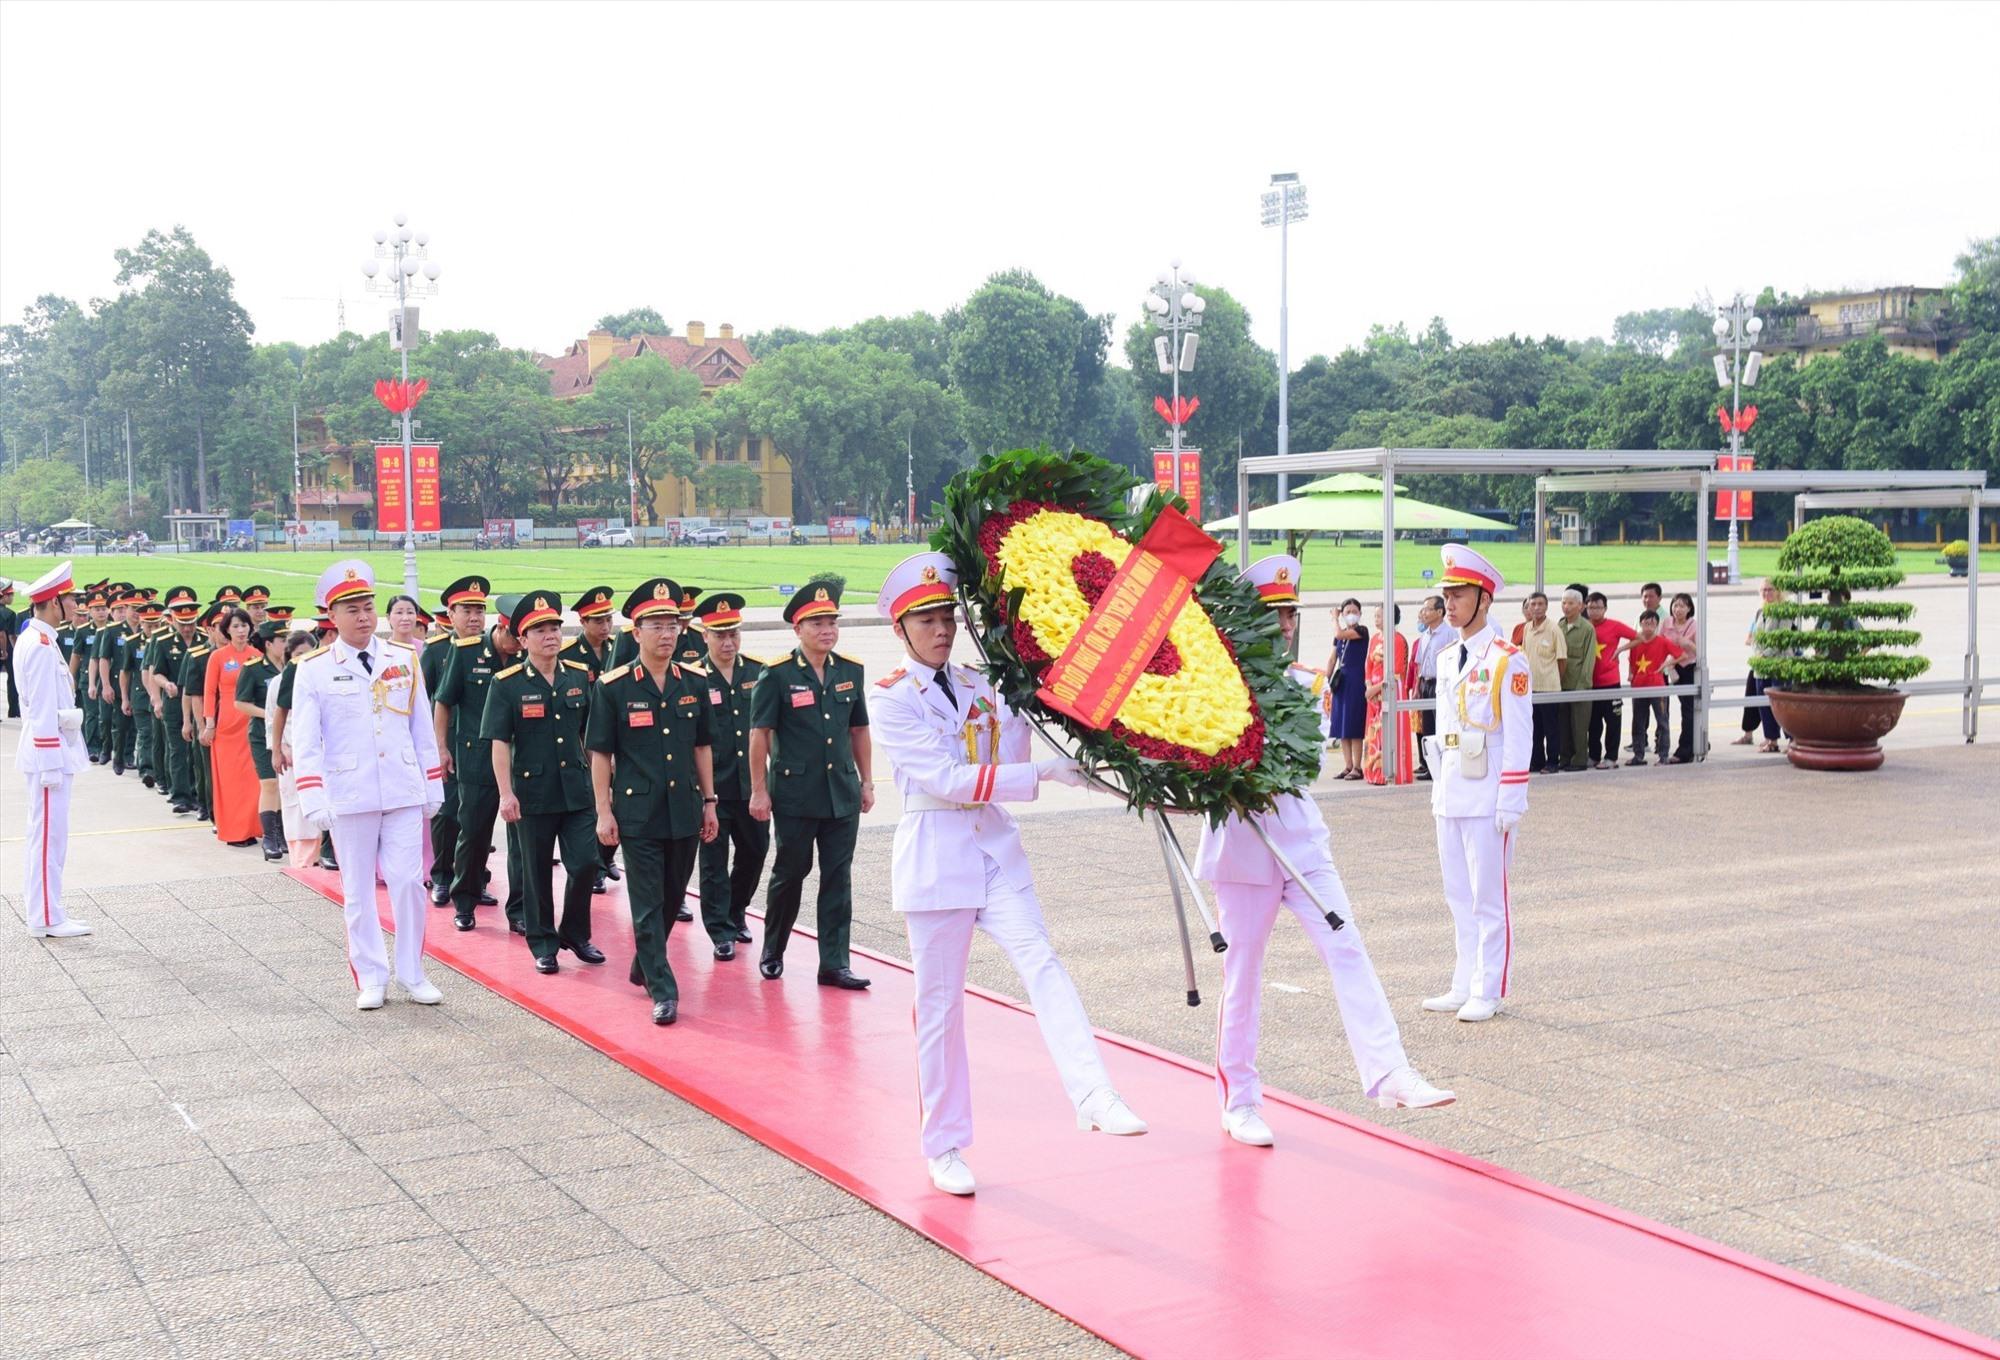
1461 658
944 683
366 664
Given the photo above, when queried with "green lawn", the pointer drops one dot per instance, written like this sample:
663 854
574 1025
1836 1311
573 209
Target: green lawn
758 572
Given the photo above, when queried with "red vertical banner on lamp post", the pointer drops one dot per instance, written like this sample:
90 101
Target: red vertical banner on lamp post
428 487
389 512
1733 505
1190 487
1163 469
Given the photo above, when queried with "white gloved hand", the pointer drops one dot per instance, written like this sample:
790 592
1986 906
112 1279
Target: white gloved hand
69 720
1504 822
51 779
318 816
1060 770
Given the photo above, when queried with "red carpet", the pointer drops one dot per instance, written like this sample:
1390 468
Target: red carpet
1347 1240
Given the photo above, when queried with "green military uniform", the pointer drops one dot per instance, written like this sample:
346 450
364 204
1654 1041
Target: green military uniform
596 602
253 686
542 718
726 888
287 679
83 646
1580 647
166 655
436 653
194 686
654 733
467 674
10 630
110 654
814 785
145 726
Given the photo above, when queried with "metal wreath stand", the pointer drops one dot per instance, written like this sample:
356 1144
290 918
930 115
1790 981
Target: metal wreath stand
1179 870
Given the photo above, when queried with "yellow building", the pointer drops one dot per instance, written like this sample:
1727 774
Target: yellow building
718 362
1910 320
327 487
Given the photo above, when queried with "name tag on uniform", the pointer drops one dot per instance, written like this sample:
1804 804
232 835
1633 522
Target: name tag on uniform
532 710
337 678
802 698
639 717
715 696
845 684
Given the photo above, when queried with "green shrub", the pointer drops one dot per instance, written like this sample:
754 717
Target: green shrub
827 578
1826 645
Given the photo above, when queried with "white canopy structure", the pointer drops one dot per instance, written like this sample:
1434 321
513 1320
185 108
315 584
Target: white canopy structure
1349 503
1634 470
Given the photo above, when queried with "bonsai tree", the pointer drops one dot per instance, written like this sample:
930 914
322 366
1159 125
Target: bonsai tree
1828 647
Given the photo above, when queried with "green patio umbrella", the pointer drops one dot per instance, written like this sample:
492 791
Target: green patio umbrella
1349 502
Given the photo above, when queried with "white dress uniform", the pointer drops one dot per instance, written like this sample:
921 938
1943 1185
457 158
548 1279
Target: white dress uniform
1479 788
958 866
366 764
1250 889
49 754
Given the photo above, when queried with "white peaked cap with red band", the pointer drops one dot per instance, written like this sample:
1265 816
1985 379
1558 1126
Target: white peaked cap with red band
51 583
1276 578
344 579
1465 567
924 580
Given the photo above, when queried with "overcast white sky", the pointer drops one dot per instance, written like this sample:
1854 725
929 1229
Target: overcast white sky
1509 167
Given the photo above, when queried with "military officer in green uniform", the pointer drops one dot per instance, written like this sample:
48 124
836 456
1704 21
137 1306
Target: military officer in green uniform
652 780
689 651
461 706
194 684
83 648
465 611
164 659
256 603
108 659
537 713
136 687
591 648
281 713
811 776
726 888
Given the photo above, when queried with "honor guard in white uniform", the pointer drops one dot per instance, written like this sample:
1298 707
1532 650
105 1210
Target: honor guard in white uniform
1479 789
1250 889
51 749
367 768
959 753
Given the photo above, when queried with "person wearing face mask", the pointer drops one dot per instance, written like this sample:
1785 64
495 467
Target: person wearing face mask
1433 635
959 752
1348 692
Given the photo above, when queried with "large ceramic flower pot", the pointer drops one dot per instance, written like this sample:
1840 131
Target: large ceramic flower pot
1837 731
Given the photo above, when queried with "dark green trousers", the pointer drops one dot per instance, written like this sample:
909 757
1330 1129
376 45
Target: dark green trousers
124 734
656 879
798 838
1575 733
93 719
179 778
143 725
204 775
731 865
444 835
478 810
541 835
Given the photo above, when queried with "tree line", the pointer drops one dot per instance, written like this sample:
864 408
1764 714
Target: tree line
860 409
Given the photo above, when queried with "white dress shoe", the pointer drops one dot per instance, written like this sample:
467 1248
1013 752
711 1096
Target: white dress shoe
68 930
1449 1001
1106 1112
424 992
1247 1126
950 1174
369 999
1406 1089
1477 1009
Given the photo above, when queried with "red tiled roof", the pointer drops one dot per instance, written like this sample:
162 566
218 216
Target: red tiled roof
717 362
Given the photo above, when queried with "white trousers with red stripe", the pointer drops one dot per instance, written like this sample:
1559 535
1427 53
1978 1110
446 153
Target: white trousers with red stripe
47 850
388 843
1249 912
940 945
1473 856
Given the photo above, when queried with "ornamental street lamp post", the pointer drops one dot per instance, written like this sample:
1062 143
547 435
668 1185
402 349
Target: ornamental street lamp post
1735 326
1177 308
1283 206
407 251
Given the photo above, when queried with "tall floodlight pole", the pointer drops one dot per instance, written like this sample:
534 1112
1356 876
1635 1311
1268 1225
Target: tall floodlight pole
407 251
910 480
298 480
128 465
1283 206
1735 327
1176 308
631 477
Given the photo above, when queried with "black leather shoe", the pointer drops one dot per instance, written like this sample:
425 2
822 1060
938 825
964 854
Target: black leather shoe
181 809
97 760
842 978
611 872
597 889
665 1012
147 779
487 899
329 863
743 937
118 767
547 965
683 915
726 951
464 921
586 951
441 896
517 928
772 969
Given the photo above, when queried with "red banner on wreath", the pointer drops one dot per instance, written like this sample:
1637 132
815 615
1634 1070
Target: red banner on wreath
1103 662
1734 504
426 486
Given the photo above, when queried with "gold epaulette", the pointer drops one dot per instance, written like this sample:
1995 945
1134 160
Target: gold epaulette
576 665
693 669
391 642
320 650
473 641
615 673
514 669
848 659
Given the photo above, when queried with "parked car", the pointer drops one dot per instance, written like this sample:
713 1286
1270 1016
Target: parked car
705 538
609 538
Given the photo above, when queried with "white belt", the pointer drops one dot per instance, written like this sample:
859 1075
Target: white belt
923 802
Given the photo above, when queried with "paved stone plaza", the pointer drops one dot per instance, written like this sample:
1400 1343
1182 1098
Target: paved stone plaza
1753 1003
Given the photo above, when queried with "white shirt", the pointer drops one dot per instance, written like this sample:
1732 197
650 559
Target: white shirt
970 752
361 736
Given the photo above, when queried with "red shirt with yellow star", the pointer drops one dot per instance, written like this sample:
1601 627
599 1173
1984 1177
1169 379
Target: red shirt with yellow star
1649 660
1610 632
